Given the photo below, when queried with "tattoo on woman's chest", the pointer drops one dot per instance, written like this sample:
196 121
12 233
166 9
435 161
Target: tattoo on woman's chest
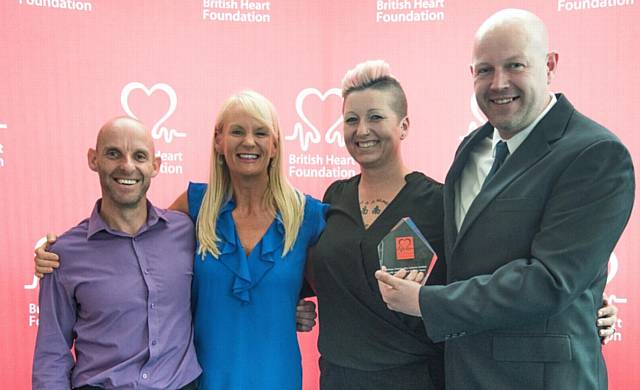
373 207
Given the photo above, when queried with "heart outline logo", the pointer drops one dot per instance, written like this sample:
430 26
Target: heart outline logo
158 131
331 136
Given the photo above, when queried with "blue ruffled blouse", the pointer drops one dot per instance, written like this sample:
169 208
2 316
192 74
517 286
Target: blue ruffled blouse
244 306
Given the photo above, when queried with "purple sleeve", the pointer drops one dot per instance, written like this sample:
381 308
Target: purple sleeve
52 360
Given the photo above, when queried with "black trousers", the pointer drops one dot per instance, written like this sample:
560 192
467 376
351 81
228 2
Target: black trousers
190 386
410 377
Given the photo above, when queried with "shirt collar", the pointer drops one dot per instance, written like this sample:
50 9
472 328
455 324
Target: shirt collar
97 223
514 142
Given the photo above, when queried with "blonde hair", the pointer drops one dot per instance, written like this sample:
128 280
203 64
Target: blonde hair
279 194
375 74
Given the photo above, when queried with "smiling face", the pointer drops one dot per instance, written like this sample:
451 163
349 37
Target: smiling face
125 162
372 129
247 144
511 70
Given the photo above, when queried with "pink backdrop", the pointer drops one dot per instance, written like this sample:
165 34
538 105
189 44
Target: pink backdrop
67 66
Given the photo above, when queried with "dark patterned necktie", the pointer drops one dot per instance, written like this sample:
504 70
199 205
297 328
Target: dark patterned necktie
502 151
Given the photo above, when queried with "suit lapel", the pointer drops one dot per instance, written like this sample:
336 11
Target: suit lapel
450 230
453 175
534 148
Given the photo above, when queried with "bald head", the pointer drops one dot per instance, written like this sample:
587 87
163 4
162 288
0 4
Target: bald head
124 126
512 68
125 161
525 24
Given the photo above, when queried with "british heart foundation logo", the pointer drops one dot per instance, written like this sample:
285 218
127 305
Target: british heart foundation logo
159 130
404 248
306 131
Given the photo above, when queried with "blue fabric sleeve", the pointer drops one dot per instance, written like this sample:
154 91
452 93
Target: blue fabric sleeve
314 218
195 194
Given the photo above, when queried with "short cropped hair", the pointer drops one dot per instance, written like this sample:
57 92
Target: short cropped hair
375 74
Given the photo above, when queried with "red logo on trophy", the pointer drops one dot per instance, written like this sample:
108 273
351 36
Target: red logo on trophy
404 248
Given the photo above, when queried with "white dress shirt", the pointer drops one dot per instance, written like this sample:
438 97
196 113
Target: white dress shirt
479 164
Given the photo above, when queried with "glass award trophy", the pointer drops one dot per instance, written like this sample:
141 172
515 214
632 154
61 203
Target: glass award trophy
405 247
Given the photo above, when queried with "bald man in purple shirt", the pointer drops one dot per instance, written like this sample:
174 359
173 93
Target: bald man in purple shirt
121 298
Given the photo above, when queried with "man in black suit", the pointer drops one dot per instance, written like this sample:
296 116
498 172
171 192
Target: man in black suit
535 202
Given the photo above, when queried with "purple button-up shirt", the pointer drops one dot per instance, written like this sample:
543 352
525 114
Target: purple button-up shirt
125 302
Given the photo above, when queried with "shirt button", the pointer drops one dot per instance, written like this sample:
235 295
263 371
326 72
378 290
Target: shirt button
153 305
146 271
154 342
145 376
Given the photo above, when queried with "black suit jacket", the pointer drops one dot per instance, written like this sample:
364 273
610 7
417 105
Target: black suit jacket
527 269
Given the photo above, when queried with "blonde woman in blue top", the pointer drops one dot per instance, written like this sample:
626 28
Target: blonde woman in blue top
253 231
